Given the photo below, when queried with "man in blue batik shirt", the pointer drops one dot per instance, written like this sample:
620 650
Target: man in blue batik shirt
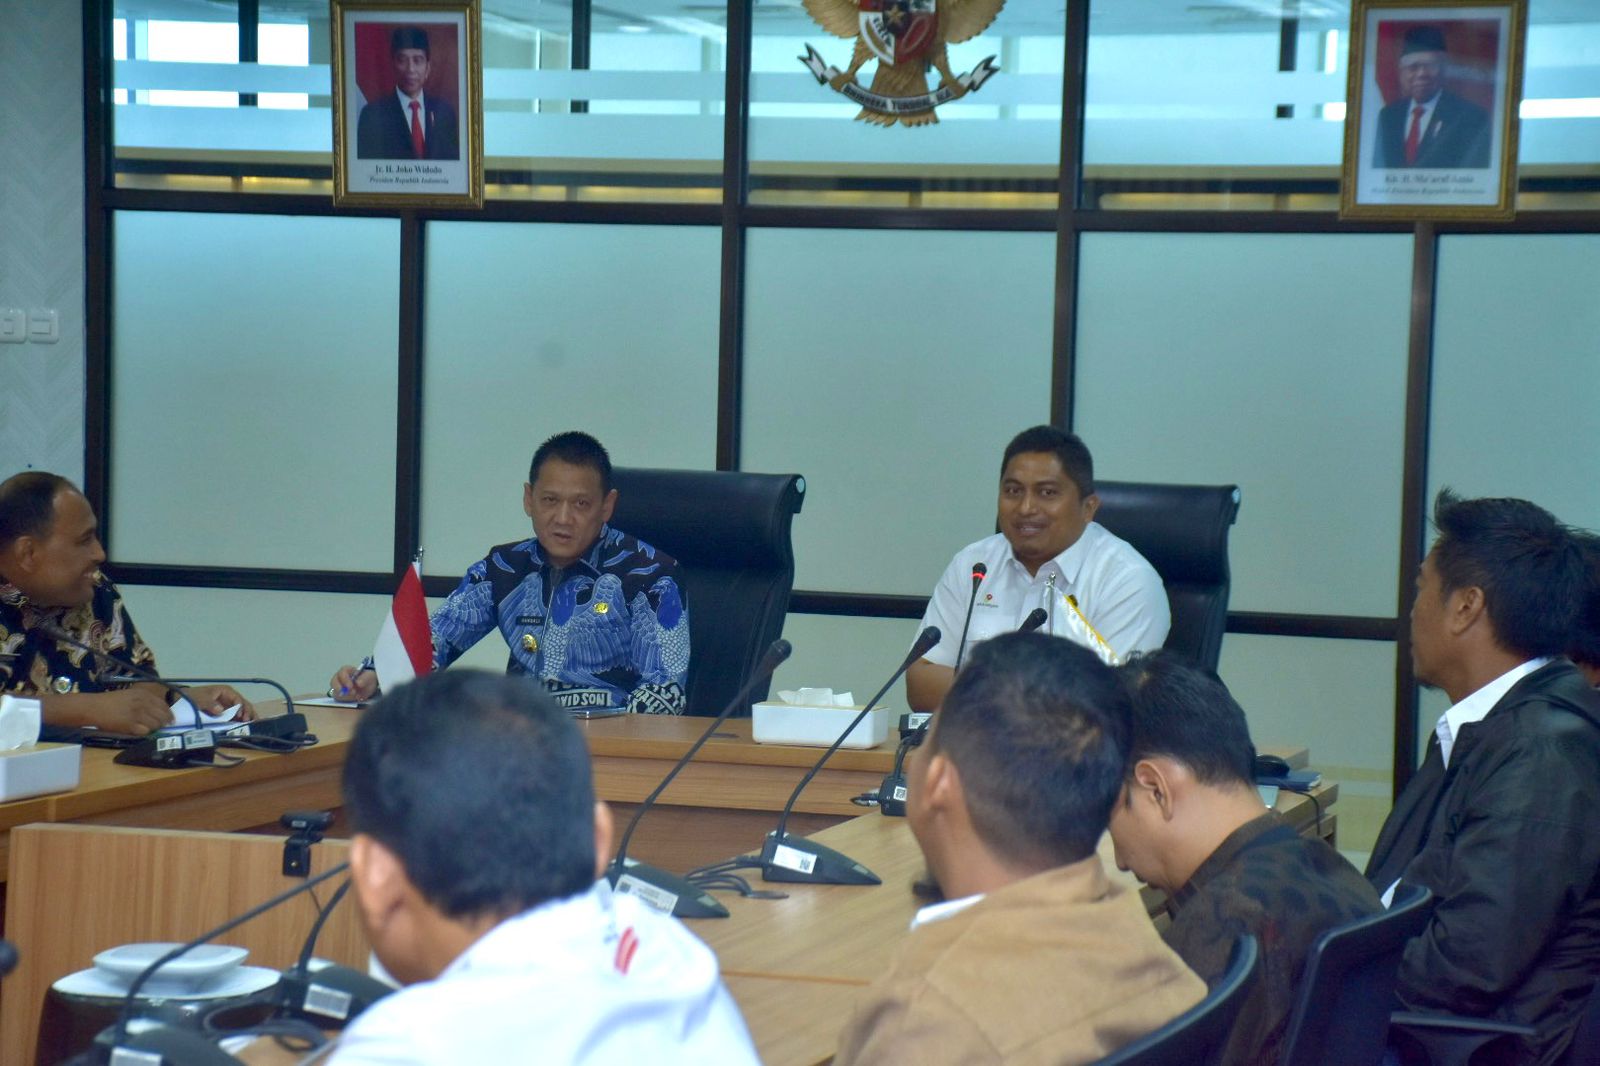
596 614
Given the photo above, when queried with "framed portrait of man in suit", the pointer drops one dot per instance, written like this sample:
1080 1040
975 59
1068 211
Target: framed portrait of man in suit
1430 127
407 103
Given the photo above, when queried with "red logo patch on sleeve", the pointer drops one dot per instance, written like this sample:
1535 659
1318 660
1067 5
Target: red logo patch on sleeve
626 946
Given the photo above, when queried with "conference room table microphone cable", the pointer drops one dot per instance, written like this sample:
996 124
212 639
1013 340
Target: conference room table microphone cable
891 795
150 1041
795 859
656 888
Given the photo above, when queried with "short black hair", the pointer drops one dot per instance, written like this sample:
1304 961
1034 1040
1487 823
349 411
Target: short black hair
28 504
405 37
1038 728
1066 447
1527 564
481 785
1585 644
1186 713
577 448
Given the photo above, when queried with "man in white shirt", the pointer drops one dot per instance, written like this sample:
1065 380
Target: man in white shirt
477 851
1094 588
1499 821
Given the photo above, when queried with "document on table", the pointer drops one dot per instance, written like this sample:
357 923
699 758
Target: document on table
186 716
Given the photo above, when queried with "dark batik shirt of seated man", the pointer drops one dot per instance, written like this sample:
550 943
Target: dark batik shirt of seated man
1285 890
611 630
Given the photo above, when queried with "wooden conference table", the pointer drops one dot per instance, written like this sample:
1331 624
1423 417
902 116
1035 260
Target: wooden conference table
794 965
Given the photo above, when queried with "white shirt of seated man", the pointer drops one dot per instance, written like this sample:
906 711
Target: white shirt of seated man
1096 590
595 979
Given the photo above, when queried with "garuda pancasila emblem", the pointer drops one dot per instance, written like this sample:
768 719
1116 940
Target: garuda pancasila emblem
906 37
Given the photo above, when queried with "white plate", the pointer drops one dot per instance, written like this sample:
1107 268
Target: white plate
201 964
240 981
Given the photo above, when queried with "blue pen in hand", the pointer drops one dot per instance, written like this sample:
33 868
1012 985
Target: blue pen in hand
366 664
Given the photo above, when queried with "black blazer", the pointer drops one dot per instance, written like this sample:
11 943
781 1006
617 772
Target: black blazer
1506 838
384 130
1457 135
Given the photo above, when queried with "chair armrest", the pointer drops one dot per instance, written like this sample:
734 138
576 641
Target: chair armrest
1420 1020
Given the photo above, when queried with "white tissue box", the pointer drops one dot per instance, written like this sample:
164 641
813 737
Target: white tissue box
797 723
40 769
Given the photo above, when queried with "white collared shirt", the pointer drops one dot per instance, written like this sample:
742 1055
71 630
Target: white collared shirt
935 912
1422 122
595 979
1116 589
422 110
1474 707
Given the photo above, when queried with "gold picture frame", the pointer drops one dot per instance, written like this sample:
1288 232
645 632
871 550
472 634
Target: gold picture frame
390 56
1431 124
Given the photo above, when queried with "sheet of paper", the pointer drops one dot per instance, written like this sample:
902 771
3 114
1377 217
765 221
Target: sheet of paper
327 701
186 716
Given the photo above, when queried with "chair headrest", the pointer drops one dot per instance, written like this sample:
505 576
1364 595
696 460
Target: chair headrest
710 519
1182 530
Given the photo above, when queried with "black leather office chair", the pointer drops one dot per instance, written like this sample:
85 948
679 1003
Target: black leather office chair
1183 531
1199 1035
1341 1012
730 532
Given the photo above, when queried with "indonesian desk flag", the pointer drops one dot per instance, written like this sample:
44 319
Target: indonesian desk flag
405 643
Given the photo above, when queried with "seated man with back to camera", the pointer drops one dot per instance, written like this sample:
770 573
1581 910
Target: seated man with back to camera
1050 553
1499 820
1191 823
593 612
1035 957
50 579
477 875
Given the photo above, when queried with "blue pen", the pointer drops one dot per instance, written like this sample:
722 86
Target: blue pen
366 664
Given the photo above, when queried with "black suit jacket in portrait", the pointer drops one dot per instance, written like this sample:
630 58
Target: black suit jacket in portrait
1457 135
384 130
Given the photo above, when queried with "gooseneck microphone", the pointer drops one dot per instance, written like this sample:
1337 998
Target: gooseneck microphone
1036 618
979 571
658 889
786 858
325 993
160 1042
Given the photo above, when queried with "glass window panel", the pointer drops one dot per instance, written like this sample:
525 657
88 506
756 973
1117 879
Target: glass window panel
1200 106
533 329
253 416
1276 362
643 120
895 404
1334 697
1560 135
1516 372
854 655
295 638
997 147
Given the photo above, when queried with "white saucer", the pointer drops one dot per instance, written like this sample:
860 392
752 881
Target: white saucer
239 981
200 964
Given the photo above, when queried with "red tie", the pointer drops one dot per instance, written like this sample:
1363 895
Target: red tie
418 147
1413 138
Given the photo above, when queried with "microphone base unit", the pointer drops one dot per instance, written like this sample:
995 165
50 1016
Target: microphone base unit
892 796
800 861
328 995
171 751
148 1042
664 892
915 720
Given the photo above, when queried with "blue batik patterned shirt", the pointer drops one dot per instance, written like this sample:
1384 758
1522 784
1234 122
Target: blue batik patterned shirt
611 630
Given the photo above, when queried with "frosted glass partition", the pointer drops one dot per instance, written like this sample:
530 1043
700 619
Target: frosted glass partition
532 329
894 400
854 655
296 638
1334 697
1516 371
253 404
1274 362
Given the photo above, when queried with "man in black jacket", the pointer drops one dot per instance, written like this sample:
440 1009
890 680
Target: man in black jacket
1428 125
1500 819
